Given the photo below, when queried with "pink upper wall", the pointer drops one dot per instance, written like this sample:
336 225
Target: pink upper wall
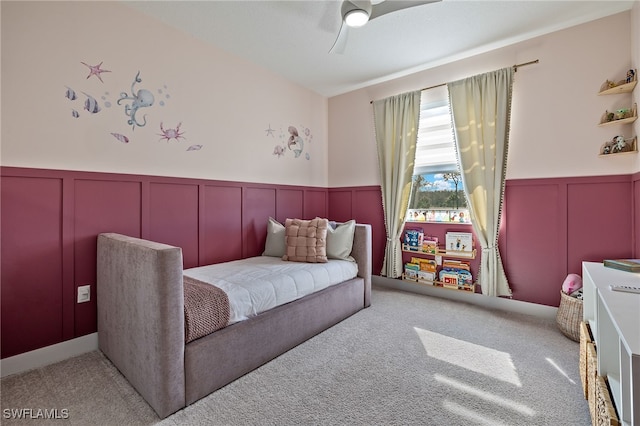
556 110
236 111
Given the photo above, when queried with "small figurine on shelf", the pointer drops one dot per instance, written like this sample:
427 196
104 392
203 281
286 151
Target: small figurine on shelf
607 117
619 144
630 76
622 113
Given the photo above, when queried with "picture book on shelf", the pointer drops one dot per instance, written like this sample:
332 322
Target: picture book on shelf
629 265
459 242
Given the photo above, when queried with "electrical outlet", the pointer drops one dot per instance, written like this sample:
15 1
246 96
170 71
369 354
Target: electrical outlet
84 293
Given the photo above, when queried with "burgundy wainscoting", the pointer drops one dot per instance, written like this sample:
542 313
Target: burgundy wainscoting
173 218
221 233
533 247
259 204
32 253
364 205
99 206
599 221
51 219
552 225
315 203
289 204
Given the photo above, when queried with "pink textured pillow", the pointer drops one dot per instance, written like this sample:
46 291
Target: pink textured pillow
306 240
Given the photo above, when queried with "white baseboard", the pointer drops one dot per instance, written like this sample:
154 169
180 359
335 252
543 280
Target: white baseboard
500 303
48 355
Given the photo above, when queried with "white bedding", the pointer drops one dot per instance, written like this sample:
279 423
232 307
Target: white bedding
257 284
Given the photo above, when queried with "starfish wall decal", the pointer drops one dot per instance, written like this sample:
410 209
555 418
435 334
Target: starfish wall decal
95 70
270 131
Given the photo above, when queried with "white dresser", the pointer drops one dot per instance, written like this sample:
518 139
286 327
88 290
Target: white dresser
614 318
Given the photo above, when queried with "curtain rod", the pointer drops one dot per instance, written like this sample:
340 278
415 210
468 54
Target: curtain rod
515 67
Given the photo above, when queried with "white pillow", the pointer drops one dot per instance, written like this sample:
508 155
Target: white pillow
275 245
340 241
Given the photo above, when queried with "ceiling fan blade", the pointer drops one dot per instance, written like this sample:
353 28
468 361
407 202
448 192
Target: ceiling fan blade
341 41
389 6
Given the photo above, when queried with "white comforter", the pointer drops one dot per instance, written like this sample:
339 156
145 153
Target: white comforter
257 284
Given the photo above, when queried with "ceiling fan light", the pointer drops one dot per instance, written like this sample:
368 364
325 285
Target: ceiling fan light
356 18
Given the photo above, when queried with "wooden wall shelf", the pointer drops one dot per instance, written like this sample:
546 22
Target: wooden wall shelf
443 253
622 121
623 88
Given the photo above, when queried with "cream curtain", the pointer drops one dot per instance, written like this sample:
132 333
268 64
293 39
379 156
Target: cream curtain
396 126
481 109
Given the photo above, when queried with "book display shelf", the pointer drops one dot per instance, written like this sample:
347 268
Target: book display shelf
441 265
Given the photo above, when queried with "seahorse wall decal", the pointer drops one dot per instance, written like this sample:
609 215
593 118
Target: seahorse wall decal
140 99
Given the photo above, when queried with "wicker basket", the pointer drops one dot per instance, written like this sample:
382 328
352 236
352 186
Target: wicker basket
569 316
585 339
605 410
592 374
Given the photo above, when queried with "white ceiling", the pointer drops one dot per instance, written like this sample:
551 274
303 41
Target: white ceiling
293 38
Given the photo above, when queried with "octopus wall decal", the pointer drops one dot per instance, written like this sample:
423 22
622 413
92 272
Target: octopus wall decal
140 99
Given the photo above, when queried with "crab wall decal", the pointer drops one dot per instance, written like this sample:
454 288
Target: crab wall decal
168 134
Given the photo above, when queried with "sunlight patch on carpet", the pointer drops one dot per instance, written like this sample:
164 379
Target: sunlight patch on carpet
560 370
477 358
487 396
477 418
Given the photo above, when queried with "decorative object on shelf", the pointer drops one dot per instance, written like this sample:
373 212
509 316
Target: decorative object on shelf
623 113
438 215
631 76
456 274
619 145
413 239
629 265
459 243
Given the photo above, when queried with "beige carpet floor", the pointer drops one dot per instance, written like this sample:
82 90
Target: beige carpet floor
408 360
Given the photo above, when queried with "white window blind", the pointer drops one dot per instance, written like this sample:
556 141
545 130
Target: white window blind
435 149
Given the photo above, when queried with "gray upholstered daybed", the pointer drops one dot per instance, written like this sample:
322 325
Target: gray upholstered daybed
141 322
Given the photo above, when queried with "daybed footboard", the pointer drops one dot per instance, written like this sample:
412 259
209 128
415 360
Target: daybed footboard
361 252
221 357
141 316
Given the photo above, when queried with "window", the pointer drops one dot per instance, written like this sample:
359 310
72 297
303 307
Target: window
437 194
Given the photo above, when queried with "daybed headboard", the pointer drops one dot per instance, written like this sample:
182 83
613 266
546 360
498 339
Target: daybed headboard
140 300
